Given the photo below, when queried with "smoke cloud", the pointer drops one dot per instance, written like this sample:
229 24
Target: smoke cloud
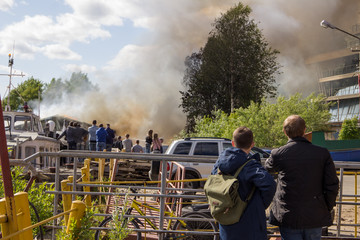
139 88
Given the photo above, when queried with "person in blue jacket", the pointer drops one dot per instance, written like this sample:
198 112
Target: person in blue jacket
252 224
101 135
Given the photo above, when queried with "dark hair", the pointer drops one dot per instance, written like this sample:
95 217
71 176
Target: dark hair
294 126
137 141
101 125
94 122
127 135
243 137
108 124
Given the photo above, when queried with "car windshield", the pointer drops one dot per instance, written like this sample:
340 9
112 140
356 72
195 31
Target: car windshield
262 153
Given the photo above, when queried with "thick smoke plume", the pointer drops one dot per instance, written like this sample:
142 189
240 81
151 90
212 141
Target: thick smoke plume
142 91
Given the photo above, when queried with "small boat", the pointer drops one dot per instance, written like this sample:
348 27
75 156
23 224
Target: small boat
25 134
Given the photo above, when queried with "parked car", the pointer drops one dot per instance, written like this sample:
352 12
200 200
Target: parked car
195 147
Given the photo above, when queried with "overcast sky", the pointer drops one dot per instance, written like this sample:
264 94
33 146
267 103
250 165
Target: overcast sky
134 50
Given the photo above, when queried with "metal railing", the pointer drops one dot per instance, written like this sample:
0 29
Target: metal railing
162 189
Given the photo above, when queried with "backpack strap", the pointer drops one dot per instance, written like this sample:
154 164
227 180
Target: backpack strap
240 168
238 172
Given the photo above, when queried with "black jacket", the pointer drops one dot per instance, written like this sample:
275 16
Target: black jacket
307 185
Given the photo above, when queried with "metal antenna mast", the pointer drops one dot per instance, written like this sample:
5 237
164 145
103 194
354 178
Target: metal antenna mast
11 63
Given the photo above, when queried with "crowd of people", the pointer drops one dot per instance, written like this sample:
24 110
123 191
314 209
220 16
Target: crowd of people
100 138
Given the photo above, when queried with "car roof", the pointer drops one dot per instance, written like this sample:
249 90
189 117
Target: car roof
204 138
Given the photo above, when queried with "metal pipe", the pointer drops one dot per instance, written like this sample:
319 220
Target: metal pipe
123 194
162 199
340 199
6 175
75 177
56 197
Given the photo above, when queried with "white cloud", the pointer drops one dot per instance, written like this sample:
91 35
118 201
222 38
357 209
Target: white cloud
109 12
5 5
57 51
39 32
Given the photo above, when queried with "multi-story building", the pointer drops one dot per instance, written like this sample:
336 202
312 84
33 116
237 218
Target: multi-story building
339 79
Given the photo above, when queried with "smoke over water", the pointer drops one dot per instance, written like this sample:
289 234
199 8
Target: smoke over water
139 88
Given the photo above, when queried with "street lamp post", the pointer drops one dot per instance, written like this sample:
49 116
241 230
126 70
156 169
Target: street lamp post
326 24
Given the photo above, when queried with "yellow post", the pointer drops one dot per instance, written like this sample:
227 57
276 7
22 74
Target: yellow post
71 180
85 172
23 214
101 170
87 162
356 212
76 215
66 198
111 167
5 228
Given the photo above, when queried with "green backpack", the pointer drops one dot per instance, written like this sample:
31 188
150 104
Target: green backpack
221 192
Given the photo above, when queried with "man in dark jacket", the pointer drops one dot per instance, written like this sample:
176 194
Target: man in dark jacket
252 224
109 138
307 184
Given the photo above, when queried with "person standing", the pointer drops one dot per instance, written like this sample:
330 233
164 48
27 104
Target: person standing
156 147
161 142
137 148
148 141
109 138
307 184
127 143
252 224
101 138
92 136
69 134
80 135
118 144
50 129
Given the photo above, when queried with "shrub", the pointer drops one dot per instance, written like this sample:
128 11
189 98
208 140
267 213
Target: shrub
349 129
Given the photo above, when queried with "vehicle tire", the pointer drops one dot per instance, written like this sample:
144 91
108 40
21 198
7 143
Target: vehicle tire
191 175
198 226
102 234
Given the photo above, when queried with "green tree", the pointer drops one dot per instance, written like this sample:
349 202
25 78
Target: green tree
25 92
77 84
349 129
235 67
265 119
